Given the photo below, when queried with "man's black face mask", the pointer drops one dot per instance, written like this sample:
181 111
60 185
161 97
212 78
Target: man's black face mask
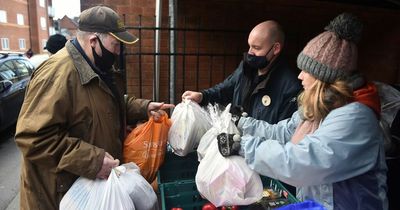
257 62
106 60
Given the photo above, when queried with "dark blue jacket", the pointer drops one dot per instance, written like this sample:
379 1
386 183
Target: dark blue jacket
280 84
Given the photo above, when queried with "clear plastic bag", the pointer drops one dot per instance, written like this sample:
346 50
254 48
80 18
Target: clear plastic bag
226 181
189 123
125 189
220 122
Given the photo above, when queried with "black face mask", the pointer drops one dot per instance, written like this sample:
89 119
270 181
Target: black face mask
106 60
257 62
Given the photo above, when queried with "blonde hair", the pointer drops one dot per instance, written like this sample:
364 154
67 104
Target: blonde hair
321 98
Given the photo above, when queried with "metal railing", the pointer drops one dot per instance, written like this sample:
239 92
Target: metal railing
191 42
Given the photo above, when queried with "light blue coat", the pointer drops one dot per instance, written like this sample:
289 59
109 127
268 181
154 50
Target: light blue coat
341 165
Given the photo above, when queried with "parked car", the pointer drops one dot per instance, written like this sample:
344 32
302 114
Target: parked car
15 72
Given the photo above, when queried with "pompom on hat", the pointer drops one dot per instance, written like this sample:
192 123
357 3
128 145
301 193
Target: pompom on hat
333 54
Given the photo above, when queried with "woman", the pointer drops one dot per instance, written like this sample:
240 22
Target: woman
331 149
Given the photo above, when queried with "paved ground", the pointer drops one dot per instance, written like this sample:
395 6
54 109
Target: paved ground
10 169
14 205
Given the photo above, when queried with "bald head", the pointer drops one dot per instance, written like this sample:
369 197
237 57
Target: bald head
269 31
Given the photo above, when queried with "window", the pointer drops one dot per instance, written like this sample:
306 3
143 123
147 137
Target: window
7 71
5 44
28 65
20 19
52 30
41 3
21 69
43 23
3 16
21 43
44 42
15 70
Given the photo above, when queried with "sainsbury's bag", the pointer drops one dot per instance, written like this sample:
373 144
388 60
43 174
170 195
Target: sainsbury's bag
226 181
125 189
189 123
146 146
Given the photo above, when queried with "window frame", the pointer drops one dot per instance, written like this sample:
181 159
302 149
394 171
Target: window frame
20 19
43 23
3 15
42 3
22 42
44 42
5 43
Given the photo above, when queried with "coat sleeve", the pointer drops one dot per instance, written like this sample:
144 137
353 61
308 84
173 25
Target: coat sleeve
42 133
282 131
222 93
346 145
136 110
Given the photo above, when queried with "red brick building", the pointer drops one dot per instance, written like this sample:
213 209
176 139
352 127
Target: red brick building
25 24
197 50
68 27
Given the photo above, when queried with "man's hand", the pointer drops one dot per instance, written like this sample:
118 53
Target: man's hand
108 164
192 95
228 144
156 109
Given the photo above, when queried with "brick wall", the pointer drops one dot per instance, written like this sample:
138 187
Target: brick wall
379 49
11 29
38 34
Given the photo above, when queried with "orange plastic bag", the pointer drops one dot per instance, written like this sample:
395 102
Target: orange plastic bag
146 146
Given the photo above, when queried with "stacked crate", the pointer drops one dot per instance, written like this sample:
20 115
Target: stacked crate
177 186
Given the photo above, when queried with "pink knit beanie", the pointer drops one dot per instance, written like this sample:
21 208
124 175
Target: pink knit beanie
333 54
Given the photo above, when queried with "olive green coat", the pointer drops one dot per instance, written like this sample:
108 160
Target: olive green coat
68 120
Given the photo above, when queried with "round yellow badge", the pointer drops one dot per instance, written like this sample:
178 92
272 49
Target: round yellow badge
266 100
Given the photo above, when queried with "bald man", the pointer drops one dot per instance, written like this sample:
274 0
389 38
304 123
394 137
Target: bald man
263 85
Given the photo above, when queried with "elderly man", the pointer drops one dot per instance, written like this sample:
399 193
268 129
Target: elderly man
72 122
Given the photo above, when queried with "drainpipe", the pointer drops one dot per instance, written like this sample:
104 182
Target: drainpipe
172 50
156 81
30 26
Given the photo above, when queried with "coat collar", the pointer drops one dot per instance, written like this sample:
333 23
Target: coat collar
85 71
274 66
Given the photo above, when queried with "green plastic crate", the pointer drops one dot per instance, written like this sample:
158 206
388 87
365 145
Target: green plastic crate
184 194
278 187
177 168
181 194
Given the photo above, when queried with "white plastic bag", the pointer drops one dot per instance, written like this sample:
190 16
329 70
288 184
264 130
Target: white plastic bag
205 142
189 123
140 191
226 181
220 123
124 189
